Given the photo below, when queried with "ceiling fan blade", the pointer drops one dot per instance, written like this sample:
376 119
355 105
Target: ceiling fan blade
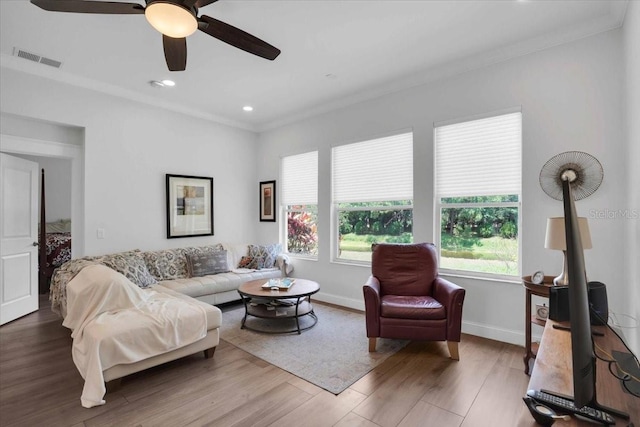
202 3
198 3
236 37
175 53
81 6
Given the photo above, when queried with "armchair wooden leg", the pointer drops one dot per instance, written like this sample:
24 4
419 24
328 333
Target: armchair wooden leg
453 350
372 344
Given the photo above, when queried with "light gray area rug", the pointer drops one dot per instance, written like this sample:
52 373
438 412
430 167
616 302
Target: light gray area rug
332 355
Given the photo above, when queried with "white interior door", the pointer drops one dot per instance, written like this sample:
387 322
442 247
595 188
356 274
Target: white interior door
18 233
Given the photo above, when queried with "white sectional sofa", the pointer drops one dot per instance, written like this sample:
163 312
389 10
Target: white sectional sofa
168 269
177 272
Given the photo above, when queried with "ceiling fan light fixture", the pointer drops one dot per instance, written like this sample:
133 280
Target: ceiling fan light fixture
171 19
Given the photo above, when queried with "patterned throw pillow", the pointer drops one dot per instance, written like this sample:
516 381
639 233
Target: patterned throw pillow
132 266
204 264
259 263
268 253
61 276
256 263
245 262
168 264
201 250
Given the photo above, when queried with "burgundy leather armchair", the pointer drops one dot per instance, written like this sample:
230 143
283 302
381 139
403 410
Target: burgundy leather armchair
406 299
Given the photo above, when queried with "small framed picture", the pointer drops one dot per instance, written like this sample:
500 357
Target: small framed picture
189 206
268 201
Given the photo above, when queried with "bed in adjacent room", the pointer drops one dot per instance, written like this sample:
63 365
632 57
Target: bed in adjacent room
56 249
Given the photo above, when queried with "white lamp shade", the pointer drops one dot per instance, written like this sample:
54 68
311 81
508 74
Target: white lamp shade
555 238
171 19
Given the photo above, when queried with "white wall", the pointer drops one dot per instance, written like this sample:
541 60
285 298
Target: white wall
27 127
57 185
571 100
128 149
58 171
631 32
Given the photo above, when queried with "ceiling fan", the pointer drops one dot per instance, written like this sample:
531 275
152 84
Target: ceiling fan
175 19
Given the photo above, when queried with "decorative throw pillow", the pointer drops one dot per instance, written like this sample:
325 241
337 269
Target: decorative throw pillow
258 263
167 264
200 250
268 253
204 264
132 266
245 262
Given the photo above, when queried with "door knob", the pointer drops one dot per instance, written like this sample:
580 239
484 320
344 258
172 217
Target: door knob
35 243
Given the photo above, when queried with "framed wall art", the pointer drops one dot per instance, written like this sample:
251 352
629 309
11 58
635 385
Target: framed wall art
268 201
189 206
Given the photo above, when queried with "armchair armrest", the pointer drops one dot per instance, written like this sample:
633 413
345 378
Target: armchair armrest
371 290
452 297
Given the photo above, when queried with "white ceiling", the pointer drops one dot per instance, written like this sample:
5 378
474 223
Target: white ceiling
333 52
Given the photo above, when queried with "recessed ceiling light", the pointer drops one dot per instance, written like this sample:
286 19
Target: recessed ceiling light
247 108
161 84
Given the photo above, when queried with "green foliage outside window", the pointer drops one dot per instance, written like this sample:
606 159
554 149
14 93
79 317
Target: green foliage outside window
480 238
363 223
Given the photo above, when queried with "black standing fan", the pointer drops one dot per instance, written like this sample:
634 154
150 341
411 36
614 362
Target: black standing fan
583 171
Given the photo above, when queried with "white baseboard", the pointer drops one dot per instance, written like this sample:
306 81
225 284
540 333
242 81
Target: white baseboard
492 332
341 301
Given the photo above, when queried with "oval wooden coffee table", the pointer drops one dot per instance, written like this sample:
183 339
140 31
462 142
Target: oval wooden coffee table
292 303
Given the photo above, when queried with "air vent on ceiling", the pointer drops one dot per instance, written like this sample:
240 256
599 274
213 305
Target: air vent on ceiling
36 58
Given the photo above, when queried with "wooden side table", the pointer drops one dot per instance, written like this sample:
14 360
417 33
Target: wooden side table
541 290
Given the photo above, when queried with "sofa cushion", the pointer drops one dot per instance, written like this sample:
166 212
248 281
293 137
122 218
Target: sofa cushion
235 252
214 315
132 266
209 263
217 283
167 264
412 307
266 253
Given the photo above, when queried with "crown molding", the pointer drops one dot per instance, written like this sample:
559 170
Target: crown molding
28 67
602 24
615 19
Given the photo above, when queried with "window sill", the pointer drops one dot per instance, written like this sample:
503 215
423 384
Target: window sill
302 257
470 275
351 263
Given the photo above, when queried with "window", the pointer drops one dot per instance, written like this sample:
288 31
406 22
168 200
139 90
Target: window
372 195
299 200
478 170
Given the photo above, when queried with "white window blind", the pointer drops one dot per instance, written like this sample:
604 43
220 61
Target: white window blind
375 170
480 157
300 179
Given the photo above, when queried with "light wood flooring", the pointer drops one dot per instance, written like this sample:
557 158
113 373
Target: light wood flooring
418 386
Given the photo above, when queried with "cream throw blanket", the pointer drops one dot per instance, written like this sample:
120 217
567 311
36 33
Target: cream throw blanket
113 321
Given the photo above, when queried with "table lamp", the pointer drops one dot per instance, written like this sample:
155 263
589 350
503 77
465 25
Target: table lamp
555 239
